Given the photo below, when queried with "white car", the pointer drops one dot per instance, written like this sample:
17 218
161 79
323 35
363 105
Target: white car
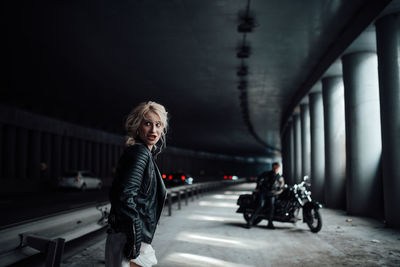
80 180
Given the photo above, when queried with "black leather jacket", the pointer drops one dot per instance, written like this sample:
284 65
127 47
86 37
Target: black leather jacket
268 182
137 198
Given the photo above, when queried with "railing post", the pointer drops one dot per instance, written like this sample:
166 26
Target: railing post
53 248
179 199
186 196
169 204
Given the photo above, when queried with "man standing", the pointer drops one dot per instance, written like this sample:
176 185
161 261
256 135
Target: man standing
269 185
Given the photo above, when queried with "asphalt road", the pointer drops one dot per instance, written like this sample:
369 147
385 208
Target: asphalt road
22 207
208 232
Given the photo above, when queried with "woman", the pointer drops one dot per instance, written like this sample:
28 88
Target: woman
138 193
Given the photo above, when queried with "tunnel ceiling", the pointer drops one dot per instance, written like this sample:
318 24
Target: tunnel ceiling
90 62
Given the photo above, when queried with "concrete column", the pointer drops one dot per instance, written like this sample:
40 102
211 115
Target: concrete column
291 155
56 145
46 157
1 150
387 33
121 150
73 155
65 153
81 154
286 157
335 142
10 144
101 163
103 159
113 159
116 155
317 146
34 154
363 134
109 160
21 153
305 140
284 153
96 158
297 148
89 155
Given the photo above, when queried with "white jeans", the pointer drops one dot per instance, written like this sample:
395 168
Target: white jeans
115 256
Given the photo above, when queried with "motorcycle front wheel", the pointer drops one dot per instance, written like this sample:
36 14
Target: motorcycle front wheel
314 220
247 216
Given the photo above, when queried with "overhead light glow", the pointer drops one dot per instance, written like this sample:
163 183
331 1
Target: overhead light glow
200 261
214 218
233 197
218 204
214 241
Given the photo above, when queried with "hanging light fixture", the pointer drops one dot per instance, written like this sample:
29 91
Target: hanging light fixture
242 71
243 51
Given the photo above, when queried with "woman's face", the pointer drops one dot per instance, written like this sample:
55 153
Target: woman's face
150 129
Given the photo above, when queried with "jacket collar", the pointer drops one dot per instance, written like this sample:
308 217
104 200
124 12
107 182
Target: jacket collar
153 150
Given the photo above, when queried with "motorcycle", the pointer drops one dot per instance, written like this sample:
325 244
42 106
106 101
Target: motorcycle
287 206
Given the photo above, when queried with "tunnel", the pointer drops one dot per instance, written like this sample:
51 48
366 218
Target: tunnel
310 86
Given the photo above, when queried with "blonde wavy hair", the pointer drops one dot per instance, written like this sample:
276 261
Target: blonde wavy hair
136 116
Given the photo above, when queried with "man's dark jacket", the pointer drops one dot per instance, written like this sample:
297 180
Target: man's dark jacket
137 198
267 182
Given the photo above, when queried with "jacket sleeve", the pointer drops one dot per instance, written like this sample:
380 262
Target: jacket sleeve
260 179
131 179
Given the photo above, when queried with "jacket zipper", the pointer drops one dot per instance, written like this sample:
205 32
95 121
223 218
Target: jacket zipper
151 180
162 207
134 237
158 218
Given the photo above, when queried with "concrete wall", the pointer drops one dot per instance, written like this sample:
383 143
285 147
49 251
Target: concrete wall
35 150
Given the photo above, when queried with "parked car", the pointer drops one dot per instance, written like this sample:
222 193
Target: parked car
251 179
230 177
177 179
80 180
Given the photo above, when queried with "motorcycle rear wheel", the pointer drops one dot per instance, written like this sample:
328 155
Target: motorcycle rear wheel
247 216
314 221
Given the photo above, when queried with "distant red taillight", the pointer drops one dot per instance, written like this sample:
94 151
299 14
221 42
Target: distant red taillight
164 176
230 177
183 177
225 177
170 177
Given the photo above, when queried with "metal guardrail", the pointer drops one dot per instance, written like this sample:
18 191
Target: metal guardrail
48 235
195 189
